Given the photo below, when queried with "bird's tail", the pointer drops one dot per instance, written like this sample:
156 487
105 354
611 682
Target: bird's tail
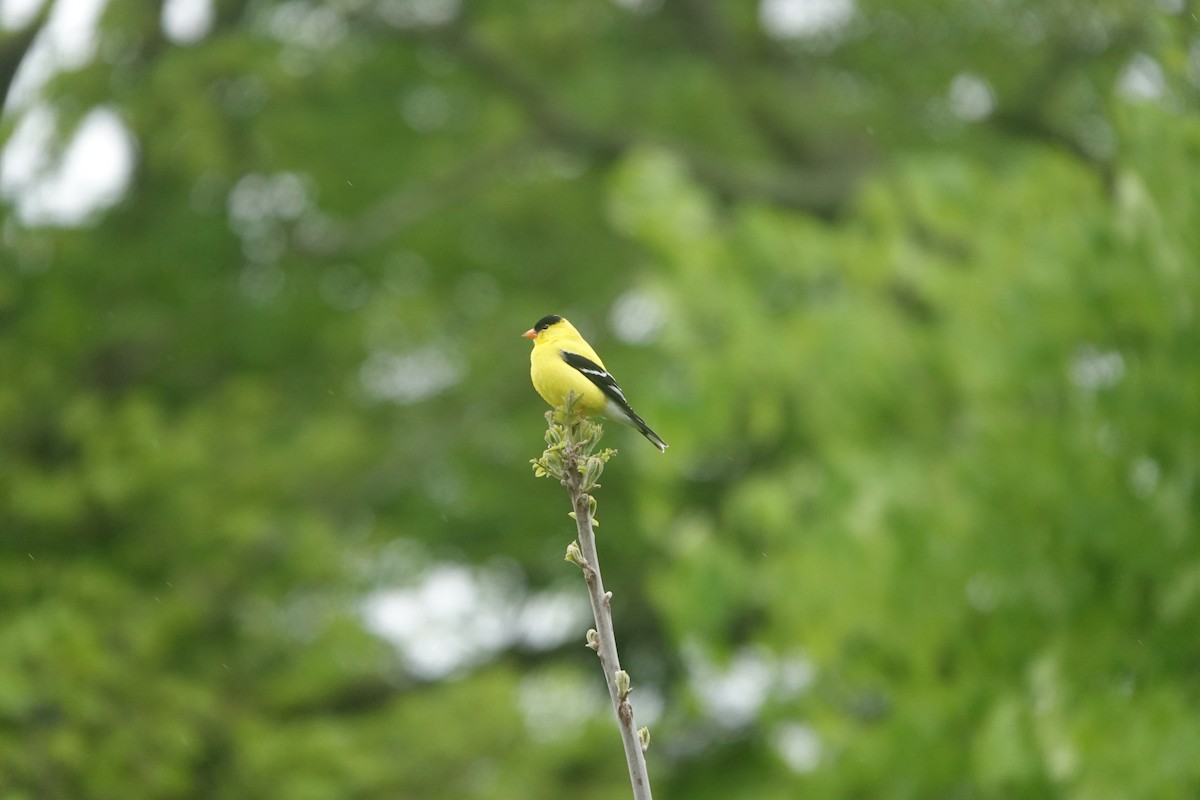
644 430
621 412
654 438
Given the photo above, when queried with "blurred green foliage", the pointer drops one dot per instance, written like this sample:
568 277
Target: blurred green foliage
927 283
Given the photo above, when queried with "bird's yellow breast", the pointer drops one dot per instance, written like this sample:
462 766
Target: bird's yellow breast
553 378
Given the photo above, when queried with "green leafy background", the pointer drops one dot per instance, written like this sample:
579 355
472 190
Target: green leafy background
913 298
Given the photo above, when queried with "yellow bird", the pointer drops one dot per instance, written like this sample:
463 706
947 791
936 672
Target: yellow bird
563 362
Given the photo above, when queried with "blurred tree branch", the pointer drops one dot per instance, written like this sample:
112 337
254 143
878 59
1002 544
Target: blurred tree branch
822 191
414 202
1029 115
710 37
15 46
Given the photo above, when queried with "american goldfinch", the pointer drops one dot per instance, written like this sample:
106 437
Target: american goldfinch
563 362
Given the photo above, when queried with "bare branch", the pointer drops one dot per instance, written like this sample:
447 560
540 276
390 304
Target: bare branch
572 458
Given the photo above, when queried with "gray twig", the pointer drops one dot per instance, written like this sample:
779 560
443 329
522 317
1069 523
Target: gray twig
572 458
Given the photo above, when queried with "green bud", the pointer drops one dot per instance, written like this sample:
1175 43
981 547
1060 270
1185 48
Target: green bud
593 639
622 678
575 555
591 469
644 738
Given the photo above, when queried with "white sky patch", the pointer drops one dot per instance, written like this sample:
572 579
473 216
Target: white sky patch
793 19
97 162
257 197
639 6
557 703
454 616
67 42
1092 369
25 155
308 25
798 745
1142 79
636 317
257 206
413 376
734 693
418 13
1143 476
971 98
187 21
443 623
92 174
549 618
16 14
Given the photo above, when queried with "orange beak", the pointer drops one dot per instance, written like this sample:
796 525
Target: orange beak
530 334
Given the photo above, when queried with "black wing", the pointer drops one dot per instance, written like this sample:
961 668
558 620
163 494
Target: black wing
608 384
599 376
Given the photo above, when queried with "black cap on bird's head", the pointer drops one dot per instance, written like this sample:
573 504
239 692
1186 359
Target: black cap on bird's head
541 325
